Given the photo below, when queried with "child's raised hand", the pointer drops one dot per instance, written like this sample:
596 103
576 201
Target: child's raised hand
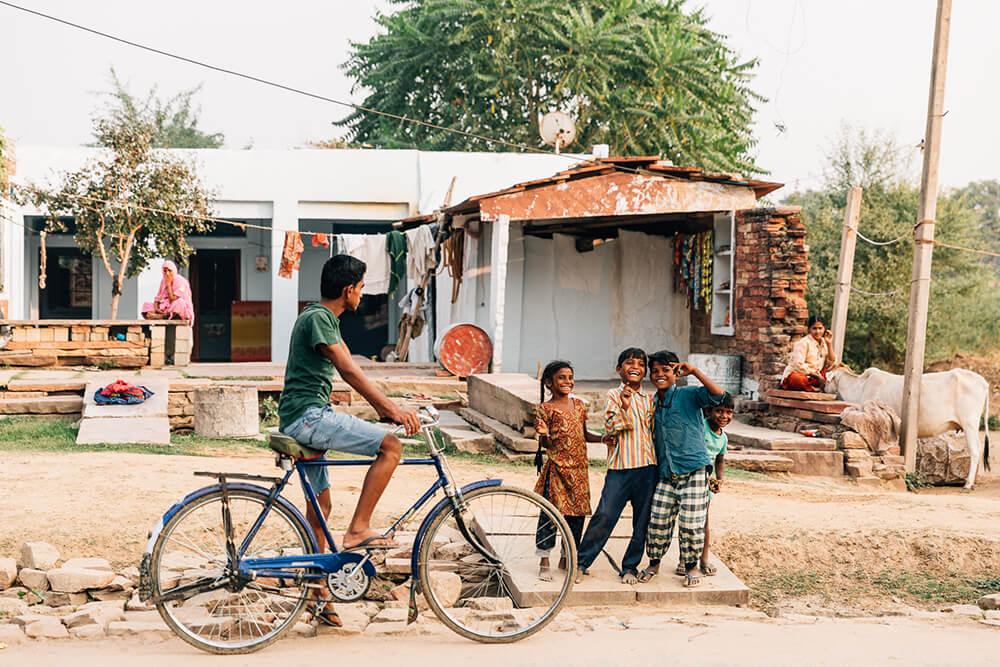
626 397
684 369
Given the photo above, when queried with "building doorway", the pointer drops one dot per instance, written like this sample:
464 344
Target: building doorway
215 284
69 285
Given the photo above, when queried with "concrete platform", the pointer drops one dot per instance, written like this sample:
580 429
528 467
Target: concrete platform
116 430
758 437
154 406
509 398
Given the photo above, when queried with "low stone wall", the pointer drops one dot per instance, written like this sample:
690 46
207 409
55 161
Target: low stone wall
108 343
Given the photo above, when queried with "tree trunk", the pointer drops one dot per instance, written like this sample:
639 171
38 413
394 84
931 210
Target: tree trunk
114 306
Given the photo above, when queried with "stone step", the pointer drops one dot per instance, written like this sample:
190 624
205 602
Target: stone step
509 398
808 415
800 395
47 385
815 464
463 436
45 405
766 438
827 407
508 437
124 430
758 462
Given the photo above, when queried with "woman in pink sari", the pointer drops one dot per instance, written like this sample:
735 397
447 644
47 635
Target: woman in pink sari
173 301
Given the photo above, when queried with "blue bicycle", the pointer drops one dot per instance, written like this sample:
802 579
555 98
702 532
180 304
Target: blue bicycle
232 565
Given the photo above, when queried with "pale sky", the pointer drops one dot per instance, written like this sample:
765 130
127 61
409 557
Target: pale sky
821 64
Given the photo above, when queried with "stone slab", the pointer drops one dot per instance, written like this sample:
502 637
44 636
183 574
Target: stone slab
602 586
808 415
46 385
509 398
507 436
154 406
818 464
827 407
773 439
46 405
118 430
800 395
759 462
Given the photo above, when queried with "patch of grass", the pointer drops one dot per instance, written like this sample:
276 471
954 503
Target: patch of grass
739 473
19 434
269 411
793 583
926 587
915 480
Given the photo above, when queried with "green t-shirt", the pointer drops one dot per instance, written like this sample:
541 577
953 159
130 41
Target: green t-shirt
308 374
715 443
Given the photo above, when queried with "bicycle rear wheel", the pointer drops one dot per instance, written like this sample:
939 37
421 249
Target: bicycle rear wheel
479 568
192 547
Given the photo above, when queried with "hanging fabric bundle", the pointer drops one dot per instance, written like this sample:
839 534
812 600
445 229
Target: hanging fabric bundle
395 245
291 254
693 257
453 256
41 263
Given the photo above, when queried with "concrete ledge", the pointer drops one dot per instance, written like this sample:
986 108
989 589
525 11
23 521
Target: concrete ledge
820 464
118 430
41 406
509 398
768 438
507 436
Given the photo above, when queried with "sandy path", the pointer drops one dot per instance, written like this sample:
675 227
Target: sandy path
653 638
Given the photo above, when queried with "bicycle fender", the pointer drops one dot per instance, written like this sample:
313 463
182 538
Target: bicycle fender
414 573
154 534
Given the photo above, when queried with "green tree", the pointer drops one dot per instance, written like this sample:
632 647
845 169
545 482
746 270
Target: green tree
644 76
174 120
984 198
963 307
105 195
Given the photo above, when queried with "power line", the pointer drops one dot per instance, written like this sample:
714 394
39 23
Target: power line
285 87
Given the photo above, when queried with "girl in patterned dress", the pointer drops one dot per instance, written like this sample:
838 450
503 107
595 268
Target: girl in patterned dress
561 424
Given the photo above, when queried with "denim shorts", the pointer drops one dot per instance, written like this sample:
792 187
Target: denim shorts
322 428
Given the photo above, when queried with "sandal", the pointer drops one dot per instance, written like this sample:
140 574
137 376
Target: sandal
544 573
646 575
691 580
327 615
708 569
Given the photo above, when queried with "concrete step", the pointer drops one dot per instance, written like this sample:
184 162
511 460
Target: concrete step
508 398
826 407
45 405
47 385
759 461
154 406
508 437
768 438
808 415
463 435
124 430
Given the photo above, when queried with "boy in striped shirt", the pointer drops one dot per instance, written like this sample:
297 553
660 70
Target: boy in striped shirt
632 471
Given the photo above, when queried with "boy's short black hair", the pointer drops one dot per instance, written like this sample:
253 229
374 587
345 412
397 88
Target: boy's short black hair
664 358
632 353
726 402
339 272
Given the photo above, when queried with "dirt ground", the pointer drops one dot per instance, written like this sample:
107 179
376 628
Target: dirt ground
801 544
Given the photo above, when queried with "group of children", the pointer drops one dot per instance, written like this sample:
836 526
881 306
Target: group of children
666 452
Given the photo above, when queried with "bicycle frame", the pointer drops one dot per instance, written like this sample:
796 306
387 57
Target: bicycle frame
315 566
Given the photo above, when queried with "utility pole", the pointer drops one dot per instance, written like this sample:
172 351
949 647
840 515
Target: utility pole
920 285
845 270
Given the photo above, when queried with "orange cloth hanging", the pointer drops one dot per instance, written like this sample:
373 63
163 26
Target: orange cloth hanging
291 253
320 240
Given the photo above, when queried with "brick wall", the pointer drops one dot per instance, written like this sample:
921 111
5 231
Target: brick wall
769 294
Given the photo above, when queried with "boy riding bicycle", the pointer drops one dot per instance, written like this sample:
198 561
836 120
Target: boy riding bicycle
304 409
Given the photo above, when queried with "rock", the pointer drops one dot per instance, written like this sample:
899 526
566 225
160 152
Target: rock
390 615
759 462
35 580
964 610
489 604
10 607
354 617
38 556
25 619
76 579
132 574
851 440
87 632
8 573
447 587
58 599
858 468
23 594
992 614
108 595
991 601
135 604
88 564
454 551
11 635
943 459
303 630
135 628
120 583
46 627
379 590
99 613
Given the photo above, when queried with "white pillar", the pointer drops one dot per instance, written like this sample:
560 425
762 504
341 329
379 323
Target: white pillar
498 286
284 291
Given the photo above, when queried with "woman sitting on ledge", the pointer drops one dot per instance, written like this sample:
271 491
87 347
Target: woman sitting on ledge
811 356
173 301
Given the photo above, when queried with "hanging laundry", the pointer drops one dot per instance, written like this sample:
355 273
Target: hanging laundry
419 252
370 249
42 263
291 254
320 240
395 246
453 256
693 258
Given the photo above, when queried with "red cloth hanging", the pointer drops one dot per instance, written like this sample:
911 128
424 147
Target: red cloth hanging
291 254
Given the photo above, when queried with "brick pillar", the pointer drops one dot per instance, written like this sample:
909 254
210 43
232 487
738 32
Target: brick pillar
769 294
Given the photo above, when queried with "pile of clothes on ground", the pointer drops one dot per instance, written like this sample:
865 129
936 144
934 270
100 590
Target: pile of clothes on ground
120 392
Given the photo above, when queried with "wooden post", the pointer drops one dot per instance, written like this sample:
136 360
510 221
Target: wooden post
845 270
916 335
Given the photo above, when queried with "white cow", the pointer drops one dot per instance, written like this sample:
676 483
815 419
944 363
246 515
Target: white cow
950 400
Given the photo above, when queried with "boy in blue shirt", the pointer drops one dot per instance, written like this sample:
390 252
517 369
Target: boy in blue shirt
681 495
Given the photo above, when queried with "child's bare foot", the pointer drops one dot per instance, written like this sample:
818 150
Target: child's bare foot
629 578
581 573
562 563
368 538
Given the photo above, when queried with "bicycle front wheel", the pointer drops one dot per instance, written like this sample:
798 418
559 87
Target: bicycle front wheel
192 548
479 566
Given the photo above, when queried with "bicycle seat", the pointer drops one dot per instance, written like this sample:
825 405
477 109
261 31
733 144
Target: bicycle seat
286 444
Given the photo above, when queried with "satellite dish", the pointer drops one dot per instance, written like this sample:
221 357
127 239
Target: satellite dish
557 129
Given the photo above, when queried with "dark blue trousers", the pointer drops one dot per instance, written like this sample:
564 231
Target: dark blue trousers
634 486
